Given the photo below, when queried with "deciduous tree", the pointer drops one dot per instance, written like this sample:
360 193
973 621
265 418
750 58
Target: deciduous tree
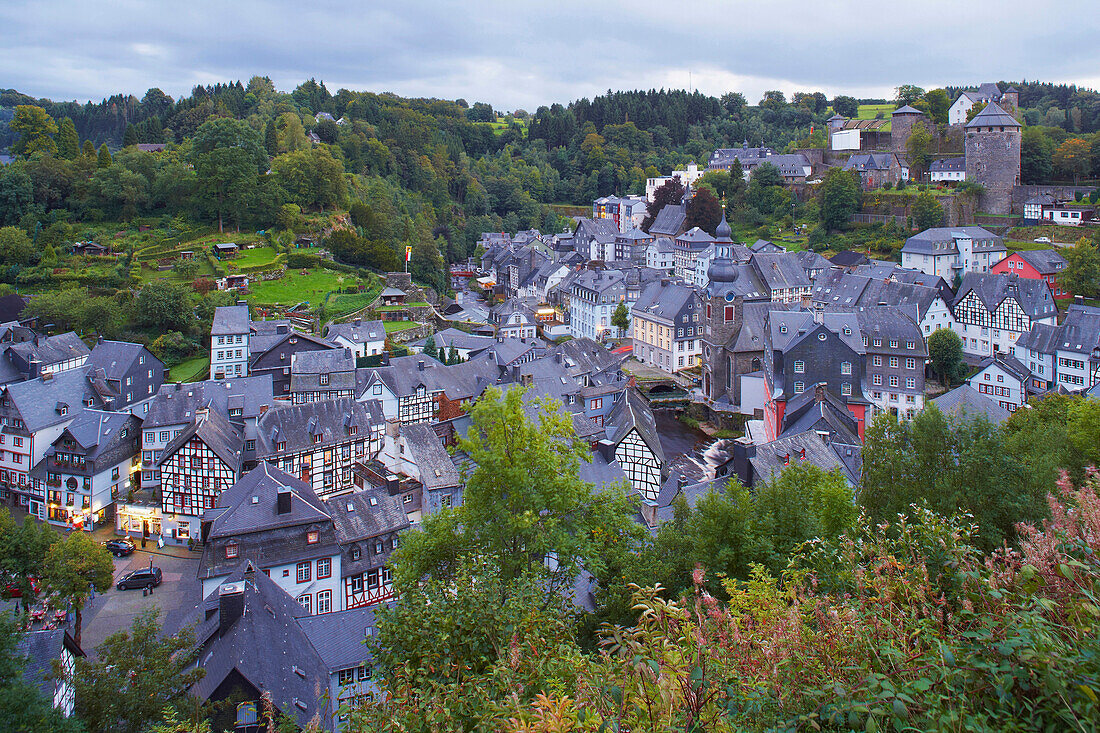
135 677
1073 158
927 211
945 350
1082 273
35 129
840 198
75 567
620 319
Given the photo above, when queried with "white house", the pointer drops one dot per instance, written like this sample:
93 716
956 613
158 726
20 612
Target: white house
687 177
89 466
364 338
594 297
1003 379
948 169
947 251
661 255
229 342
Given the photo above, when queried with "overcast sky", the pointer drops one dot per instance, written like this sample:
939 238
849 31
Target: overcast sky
518 53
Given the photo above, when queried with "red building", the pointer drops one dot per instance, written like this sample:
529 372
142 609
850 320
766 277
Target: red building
1038 264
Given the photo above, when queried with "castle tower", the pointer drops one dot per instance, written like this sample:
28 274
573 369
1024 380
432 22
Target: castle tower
1010 100
721 314
902 121
993 157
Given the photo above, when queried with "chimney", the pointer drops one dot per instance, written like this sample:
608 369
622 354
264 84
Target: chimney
1078 300
179 386
385 358
419 365
282 502
358 321
347 352
819 312
202 413
242 302
681 482
230 605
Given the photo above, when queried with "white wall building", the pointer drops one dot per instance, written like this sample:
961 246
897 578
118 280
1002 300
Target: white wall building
229 342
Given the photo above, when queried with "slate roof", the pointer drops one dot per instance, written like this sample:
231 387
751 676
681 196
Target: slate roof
842 289
392 293
848 258
871 162
357 331
52 349
923 242
308 367
663 301
1080 330
458 338
965 401
1010 364
217 432
296 425
230 319
40 648
669 221
373 512
1046 261
1043 338
692 491
39 400
100 435
946 165
805 447
906 110
339 636
264 644
992 288
780 271
235 511
116 357
176 404
631 411
992 116
437 471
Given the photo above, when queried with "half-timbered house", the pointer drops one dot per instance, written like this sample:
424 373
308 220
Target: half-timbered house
205 459
319 441
993 310
367 524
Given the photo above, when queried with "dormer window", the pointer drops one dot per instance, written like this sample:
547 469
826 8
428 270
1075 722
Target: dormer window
356 553
281 445
232 549
317 438
312 537
353 429
324 380
235 411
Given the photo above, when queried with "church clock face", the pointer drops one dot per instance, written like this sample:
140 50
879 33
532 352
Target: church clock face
729 297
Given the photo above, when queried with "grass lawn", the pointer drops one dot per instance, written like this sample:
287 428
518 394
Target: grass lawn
252 257
295 288
1015 245
871 112
192 370
394 326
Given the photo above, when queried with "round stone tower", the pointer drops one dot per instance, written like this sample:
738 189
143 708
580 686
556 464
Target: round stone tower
992 141
1010 100
902 121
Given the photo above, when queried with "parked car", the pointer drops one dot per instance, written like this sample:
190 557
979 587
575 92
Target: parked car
143 578
120 547
1041 240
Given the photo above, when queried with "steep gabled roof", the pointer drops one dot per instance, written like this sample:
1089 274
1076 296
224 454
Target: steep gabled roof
215 430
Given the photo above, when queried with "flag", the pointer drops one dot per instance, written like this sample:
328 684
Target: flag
408 252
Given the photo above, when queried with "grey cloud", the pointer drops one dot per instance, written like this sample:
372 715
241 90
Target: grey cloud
515 53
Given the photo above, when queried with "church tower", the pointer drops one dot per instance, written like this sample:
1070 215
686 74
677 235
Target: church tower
721 315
